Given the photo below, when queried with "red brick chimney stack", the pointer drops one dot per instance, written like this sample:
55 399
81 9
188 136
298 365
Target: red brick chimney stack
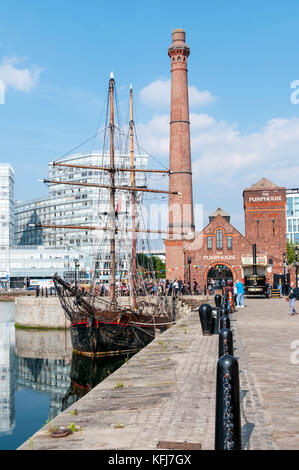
180 206
181 221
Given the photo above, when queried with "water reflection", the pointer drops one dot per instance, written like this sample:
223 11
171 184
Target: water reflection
39 368
7 377
86 373
51 376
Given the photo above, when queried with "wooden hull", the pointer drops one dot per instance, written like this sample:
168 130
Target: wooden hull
109 338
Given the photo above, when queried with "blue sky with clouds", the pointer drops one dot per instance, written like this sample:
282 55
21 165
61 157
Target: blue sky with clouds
56 57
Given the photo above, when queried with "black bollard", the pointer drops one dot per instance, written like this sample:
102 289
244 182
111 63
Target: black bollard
205 315
215 321
224 322
228 420
217 299
226 342
225 302
46 292
223 311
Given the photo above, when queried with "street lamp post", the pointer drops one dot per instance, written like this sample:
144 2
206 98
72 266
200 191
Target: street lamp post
76 272
189 273
284 274
296 264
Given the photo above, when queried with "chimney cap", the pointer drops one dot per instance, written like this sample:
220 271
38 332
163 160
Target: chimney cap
178 35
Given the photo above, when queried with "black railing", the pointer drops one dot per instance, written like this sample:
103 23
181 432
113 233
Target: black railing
228 417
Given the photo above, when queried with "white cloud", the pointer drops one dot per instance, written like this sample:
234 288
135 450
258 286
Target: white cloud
200 98
272 152
155 135
220 153
157 95
21 79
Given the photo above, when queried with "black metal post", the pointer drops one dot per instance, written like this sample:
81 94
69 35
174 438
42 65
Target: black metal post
224 322
284 274
205 315
228 419
76 272
189 274
217 299
296 255
226 342
215 320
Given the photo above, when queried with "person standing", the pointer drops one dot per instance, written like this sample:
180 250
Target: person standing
240 294
230 291
292 295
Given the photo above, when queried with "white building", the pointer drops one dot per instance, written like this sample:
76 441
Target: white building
6 205
74 205
292 214
39 252
6 218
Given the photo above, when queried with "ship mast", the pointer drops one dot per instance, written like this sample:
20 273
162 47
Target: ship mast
134 267
112 194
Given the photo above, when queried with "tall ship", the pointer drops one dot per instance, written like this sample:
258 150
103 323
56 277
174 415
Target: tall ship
112 324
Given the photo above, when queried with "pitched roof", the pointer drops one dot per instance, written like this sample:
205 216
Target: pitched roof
219 211
264 183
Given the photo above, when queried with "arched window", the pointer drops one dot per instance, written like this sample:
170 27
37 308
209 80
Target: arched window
219 240
209 243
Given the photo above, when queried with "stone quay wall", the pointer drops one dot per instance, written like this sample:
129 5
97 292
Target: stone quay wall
46 312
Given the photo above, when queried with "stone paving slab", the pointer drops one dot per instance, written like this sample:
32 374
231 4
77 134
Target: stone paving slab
263 335
166 392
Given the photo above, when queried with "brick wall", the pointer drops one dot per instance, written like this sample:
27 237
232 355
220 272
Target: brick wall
265 219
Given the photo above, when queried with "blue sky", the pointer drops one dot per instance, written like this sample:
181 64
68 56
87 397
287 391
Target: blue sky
244 54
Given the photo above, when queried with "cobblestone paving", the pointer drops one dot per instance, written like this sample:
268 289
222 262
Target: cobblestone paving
263 335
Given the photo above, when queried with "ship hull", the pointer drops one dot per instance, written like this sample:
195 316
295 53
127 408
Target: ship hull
109 338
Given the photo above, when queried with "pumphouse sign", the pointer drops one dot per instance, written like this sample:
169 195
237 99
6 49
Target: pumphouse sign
265 199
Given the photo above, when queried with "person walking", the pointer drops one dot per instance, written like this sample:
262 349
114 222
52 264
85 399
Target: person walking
292 296
240 294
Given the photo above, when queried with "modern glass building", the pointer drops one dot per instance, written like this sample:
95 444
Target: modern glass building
292 215
80 206
75 205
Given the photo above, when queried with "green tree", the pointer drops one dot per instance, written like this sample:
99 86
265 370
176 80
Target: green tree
290 252
151 263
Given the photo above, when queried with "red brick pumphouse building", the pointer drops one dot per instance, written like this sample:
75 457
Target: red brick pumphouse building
222 253
219 252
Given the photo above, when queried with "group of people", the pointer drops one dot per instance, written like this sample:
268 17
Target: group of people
235 294
165 287
176 287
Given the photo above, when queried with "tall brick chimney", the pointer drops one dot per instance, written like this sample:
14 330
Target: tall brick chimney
181 221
